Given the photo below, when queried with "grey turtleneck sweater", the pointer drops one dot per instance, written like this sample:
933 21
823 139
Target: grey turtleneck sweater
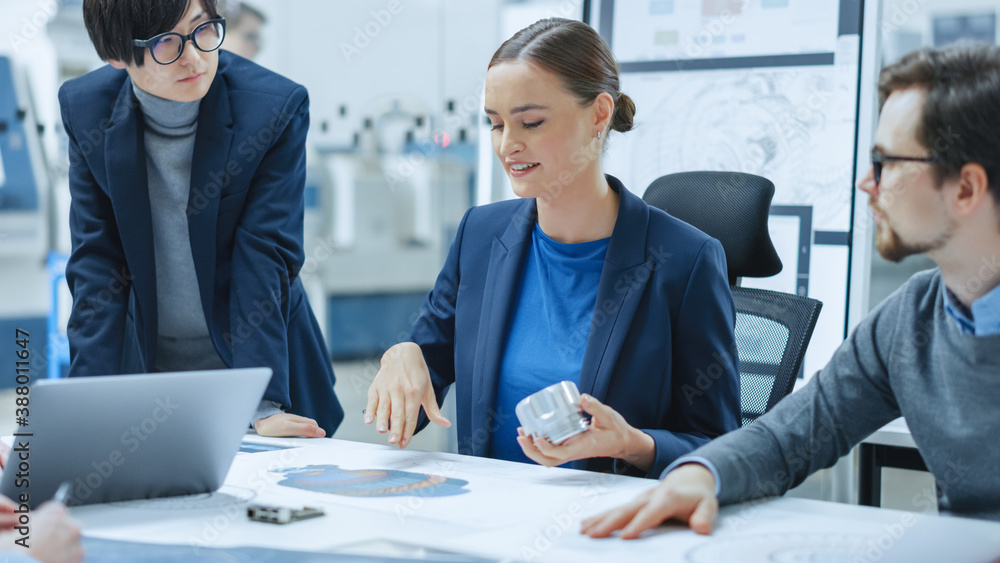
184 342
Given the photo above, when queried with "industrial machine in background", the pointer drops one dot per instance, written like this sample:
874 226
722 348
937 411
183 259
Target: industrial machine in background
23 179
385 210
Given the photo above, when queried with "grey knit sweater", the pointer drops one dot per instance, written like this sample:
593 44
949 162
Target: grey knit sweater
909 358
184 342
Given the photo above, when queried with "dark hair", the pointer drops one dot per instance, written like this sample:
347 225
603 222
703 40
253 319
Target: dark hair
575 52
113 24
961 120
234 11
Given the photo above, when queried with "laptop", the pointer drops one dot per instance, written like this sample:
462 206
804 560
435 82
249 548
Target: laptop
125 437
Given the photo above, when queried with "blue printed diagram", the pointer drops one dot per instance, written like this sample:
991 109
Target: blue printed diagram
334 480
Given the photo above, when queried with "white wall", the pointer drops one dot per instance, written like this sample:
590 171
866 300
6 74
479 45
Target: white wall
907 24
428 52
915 15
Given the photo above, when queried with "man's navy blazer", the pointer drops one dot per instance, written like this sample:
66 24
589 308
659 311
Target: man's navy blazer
661 349
245 220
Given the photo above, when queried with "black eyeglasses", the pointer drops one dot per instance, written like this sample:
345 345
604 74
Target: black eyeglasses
168 47
879 159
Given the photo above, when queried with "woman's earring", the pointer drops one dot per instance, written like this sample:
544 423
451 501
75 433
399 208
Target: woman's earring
598 135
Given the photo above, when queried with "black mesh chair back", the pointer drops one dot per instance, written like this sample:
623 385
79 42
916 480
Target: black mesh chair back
731 207
773 329
772 332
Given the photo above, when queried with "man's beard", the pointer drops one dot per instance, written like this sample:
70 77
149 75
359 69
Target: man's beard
895 249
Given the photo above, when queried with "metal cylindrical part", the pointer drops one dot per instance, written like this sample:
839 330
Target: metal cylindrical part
553 413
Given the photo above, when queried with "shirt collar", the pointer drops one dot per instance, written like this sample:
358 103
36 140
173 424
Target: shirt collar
982 319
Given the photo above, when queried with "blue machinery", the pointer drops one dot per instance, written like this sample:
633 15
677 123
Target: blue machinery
22 224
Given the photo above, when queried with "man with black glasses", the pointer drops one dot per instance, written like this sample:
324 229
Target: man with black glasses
930 352
187 171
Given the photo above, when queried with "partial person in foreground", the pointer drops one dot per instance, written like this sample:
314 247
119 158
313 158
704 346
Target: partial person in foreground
578 280
49 536
930 352
52 535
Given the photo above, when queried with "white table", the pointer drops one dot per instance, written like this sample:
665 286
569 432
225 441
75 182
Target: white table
896 433
510 511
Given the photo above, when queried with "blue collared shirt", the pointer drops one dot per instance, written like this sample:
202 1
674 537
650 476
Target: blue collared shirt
985 313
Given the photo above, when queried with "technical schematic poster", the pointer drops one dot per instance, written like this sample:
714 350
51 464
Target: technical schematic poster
657 30
768 87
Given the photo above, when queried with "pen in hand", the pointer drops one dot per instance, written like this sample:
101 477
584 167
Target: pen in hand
4 453
62 493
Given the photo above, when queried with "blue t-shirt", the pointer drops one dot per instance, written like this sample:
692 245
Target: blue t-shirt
549 330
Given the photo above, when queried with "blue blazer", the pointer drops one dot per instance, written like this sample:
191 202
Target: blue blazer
245 218
661 349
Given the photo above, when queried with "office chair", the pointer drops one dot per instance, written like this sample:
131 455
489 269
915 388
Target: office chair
772 328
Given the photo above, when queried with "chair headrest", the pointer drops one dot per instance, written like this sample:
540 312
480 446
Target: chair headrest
732 207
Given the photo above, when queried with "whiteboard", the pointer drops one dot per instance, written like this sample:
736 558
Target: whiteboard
701 29
768 87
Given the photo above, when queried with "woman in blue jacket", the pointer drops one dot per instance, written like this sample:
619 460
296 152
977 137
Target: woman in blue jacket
578 280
